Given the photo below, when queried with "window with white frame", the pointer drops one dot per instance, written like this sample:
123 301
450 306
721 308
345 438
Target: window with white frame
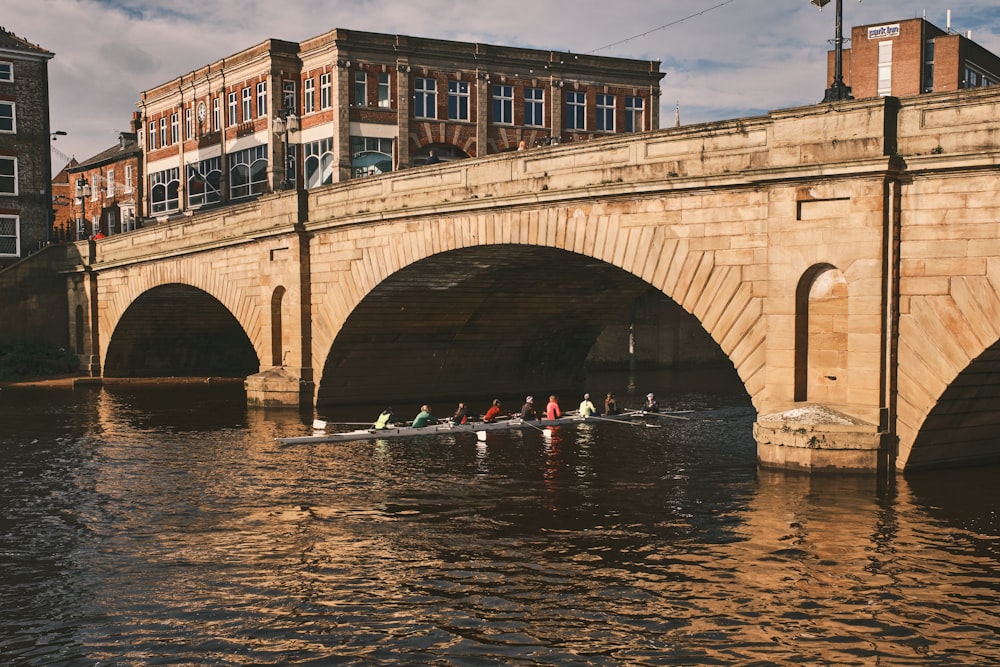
635 116
204 180
370 156
110 176
534 107
95 190
576 111
216 114
8 175
10 236
248 172
128 218
384 97
261 99
152 134
503 104
188 123
458 100
885 68
317 163
6 71
234 110
128 178
424 98
81 229
247 100
163 131
309 95
289 95
324 91
605 113
8 124
164 190
175 128
111 218
360 89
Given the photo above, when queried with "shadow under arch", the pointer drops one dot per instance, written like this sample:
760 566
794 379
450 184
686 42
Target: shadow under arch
502 319
821 310
176 330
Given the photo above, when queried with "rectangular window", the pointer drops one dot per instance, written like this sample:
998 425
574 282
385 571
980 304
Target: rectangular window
634 114
605 113
324 91
8 175
216 114
7 118
234 109
384 98
534 107
152 134
928 66
576 111
247 104
188 123
289 96
885 68
95 190
175 128
503 105
111 182
6 71
261 99
10 236
128 178
360 89
309 96
424 98
458 100
163 131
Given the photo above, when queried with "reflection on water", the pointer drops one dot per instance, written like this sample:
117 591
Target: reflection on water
148 525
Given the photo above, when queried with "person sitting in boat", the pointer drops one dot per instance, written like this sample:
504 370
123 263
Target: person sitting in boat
552 410
528 411
424 417
610 404
651 405
494 412
461 415
385 419
586 407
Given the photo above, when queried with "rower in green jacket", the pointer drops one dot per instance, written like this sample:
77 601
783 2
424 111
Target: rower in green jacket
424 417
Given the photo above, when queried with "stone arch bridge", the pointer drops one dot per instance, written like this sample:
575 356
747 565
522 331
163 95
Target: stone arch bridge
845 258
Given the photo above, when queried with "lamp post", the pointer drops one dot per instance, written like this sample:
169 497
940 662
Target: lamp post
837 90
286 122
82 191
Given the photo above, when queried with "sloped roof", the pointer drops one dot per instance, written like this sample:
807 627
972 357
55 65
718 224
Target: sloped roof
123 149
63 175
11 42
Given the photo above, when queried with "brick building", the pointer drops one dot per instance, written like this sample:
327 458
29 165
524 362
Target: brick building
911 57
106 192
346 104
25 164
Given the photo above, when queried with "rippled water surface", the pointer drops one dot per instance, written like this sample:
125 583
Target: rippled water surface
152 525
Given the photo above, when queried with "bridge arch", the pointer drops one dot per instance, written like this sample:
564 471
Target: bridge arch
177 330
589 254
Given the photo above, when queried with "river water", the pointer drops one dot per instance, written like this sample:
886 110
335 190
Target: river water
164 525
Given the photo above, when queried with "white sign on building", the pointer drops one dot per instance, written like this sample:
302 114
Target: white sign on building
883 31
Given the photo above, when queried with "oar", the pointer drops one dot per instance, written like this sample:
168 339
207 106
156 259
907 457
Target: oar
667 415
624 422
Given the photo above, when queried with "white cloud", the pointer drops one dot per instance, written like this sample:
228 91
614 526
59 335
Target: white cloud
743 58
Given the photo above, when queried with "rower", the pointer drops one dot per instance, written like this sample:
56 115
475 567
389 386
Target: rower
424 417
528 412
461 415
494 412
651 405
586 407
385 419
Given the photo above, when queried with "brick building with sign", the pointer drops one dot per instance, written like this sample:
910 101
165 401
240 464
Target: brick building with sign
347 104
911 57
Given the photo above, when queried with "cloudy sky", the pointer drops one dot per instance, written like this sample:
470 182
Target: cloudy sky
722 58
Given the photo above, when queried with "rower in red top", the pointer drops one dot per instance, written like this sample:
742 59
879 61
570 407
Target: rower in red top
494 412
552 410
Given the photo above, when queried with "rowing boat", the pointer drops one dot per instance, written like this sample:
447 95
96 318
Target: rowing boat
448 428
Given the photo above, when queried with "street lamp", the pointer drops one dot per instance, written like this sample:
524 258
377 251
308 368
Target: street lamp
82 191
286 122
837 90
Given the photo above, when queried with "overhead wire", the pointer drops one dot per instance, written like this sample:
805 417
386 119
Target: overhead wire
666 25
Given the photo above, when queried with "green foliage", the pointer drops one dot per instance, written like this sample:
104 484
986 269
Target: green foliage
24 360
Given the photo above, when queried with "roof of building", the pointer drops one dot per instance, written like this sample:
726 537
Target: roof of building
11 42
127 146
62 178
